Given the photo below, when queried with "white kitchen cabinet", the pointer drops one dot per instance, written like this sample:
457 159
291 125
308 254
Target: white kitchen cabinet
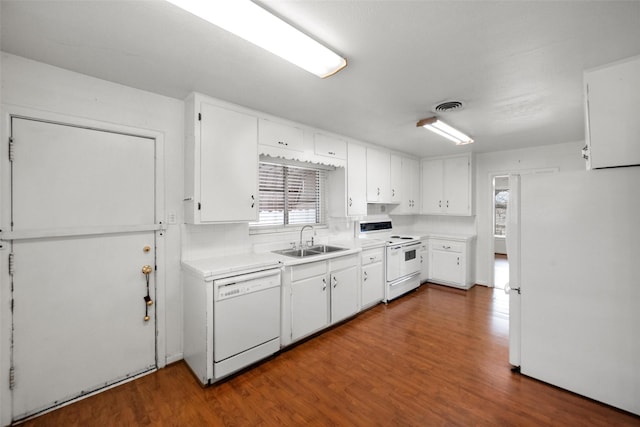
450 262
395 175
373 279
612 95
221 163
344 293
410 190
378 176
318 294
424 260
281 135
309 306
356 180
328 146
447 186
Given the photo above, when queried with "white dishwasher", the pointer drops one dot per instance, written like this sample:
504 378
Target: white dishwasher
246 320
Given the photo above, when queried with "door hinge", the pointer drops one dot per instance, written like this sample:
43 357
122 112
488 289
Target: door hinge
199 206
11 149
11 265
12 378
199 116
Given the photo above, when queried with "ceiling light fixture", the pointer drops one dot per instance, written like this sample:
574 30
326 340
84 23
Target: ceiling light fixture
436 125
254 24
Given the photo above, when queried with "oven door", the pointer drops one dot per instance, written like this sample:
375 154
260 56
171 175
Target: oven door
410 259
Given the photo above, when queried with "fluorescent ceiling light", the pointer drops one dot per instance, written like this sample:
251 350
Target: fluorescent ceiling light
436 125
254 24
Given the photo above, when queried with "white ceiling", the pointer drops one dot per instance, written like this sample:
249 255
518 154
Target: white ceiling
516 64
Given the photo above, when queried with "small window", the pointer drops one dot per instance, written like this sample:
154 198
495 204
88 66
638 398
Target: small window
290 195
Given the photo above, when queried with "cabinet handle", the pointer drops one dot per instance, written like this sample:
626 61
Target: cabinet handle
335 281
324 284
393 192
447 203
350 202
332 153
421 259
446 247
253 201
458 262
283 143
365 277
585 152
378 191
439 203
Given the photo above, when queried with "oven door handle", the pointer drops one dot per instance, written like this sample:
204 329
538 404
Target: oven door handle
412 244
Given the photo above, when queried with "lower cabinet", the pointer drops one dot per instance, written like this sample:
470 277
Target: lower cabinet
373 279
318 294
424 261
450 262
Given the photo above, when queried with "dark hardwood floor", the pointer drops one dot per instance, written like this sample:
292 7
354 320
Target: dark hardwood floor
435 357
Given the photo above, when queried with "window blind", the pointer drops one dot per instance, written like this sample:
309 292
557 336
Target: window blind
290 195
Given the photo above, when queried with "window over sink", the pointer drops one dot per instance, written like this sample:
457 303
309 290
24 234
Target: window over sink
290 195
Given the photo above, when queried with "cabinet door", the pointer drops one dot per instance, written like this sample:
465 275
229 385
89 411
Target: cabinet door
456 186
378 176
309 306
613 133
344 293
356 180
410 193
372 284
447 267
396 178
228 165
281 135
432 176
330 147
424 263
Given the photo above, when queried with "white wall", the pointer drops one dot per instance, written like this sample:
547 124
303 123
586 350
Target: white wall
565 157
37 87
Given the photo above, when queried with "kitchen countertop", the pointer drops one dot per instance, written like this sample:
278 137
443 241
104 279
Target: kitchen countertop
231 265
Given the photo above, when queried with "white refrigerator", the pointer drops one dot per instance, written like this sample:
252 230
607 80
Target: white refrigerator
573 243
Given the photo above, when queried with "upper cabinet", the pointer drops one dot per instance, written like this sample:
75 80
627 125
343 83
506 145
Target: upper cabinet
396 178
356 180
279 135
447 186
378 176
221 162
409 203
612 95
329 146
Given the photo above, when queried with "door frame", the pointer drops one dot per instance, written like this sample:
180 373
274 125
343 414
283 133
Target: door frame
6 114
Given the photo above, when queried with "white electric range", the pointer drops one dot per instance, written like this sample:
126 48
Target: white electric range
402 263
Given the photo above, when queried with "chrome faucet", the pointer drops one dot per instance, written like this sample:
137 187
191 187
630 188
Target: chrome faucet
311 227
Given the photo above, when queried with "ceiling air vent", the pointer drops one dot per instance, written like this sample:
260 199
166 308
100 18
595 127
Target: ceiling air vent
448 106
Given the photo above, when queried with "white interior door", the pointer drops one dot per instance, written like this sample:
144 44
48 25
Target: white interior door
83 201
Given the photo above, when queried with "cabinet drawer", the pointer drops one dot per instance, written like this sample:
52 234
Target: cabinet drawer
305 271
330 147
343 262
280 135
371 256
446 245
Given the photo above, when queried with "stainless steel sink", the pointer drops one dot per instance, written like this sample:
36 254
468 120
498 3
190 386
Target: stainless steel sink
325 249
311 251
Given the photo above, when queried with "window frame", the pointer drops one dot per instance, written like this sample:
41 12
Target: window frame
321 206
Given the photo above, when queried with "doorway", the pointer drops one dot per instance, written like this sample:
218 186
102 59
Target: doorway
500 202
83 226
